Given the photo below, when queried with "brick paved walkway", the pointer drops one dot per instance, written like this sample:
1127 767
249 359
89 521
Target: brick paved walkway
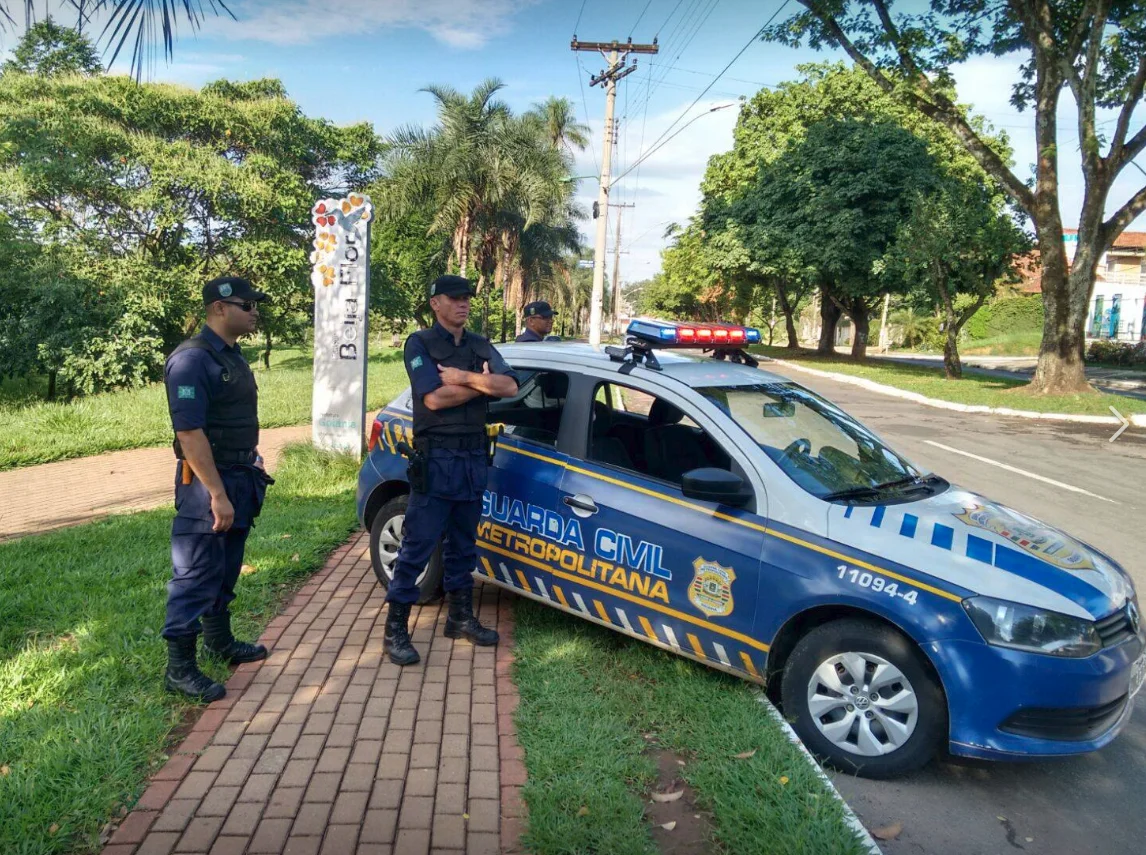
326 747
135 480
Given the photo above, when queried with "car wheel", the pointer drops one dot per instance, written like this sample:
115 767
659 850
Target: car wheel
860 696
386 540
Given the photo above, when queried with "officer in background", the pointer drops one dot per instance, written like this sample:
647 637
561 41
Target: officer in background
538 322
219 484
452 374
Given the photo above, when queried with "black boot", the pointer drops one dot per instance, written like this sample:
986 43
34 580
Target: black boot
396 640
218 640
461 622
183 674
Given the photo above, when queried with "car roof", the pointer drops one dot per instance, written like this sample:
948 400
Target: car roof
690 367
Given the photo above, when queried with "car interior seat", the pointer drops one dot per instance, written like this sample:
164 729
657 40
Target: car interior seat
671 449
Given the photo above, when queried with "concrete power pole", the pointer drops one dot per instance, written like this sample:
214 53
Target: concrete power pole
616 54
617 265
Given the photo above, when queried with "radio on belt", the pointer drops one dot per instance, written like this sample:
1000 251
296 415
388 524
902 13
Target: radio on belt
723 341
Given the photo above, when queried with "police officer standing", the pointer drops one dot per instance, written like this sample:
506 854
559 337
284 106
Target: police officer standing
219 484
538 321
452 373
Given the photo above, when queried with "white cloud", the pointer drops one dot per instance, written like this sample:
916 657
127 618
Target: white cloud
465 24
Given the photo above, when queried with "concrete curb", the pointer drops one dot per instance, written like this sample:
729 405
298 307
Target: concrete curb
1137 419
850 817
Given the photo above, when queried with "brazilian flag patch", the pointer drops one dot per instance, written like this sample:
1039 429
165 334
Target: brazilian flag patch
416 362
186 393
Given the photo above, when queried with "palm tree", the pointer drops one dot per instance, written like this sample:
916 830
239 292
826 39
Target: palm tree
558 120
131 22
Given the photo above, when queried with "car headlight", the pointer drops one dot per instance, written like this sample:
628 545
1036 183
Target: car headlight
1036 630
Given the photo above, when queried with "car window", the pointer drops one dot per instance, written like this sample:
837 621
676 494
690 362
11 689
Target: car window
631 429
534 413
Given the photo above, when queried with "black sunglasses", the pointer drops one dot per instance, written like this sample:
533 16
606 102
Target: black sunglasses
246 305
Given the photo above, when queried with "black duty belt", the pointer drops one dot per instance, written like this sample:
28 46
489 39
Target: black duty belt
453 442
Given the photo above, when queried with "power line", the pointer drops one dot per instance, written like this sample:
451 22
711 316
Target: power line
739 54
669 18
579 14
659 65
585 104
657 147
639 17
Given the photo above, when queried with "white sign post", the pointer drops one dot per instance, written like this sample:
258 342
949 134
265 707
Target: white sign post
341 279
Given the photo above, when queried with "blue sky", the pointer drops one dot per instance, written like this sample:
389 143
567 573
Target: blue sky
352 60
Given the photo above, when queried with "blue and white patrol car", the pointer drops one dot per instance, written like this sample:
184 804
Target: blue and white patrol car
734 517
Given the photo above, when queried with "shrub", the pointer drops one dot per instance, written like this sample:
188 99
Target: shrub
1006 316
1117 353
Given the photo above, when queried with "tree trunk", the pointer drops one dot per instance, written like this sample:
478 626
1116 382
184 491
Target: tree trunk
789 317
267 350
1066 296
862 324
52 385
829 318
952 366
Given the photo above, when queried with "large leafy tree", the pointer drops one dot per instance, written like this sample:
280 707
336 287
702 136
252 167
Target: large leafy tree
1096 49
134 194
49 49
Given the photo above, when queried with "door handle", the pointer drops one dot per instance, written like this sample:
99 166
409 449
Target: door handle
581 503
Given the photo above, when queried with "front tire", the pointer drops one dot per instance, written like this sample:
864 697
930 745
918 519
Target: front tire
861 697
385 541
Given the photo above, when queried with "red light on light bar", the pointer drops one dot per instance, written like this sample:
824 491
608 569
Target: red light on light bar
704 334
721 334
737 335
686 334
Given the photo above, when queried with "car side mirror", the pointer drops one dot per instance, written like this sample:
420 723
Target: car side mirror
780 410
709 484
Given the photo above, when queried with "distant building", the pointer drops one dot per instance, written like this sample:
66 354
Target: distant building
1118 305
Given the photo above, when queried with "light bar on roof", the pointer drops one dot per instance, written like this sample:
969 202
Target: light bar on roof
667 334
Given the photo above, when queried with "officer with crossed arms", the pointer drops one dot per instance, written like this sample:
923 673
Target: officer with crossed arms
453 373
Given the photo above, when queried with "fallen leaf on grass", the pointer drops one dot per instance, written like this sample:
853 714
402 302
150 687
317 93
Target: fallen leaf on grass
246 570
744 755
669 826
294 557
5 771
286 536
783 780
667 797
106 832
680 762
888 832
583 812
55 826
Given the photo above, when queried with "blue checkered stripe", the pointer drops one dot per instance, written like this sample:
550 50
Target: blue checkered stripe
957 540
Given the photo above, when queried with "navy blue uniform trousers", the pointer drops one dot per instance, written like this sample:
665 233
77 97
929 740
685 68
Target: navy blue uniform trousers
206 563
451 506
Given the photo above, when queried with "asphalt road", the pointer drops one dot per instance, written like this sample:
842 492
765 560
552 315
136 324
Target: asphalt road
1094 804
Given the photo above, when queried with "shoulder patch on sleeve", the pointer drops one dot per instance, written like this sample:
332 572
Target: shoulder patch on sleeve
186 393
416 362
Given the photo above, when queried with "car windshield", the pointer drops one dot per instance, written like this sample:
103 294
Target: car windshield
818 445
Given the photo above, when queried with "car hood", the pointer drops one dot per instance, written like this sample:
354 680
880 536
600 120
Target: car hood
983 546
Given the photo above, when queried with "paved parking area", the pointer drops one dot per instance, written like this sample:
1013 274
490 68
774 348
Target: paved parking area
326 747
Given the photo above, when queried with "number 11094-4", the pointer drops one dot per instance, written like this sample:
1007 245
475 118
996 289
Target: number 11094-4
877 583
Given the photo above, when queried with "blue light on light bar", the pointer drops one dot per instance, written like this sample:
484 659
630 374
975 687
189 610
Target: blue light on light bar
752 335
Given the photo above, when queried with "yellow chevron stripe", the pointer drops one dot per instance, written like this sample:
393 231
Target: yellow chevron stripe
696 646
748 666
560 596
524 582
647 627
488 568
601 611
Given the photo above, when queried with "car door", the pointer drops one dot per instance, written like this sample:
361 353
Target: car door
680 573
518 508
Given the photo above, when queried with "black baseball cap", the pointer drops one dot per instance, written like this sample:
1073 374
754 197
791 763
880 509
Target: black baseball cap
451 286
538 309
230 288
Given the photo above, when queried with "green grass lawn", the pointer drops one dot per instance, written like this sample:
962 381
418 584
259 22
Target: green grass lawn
83 715
592 702
41 432
974 389
1014 344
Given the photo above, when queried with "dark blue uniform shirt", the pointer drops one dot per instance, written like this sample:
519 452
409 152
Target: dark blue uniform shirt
424 374
529 335
192 378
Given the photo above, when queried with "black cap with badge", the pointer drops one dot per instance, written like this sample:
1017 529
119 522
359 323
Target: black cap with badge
451 286
230 288
538 309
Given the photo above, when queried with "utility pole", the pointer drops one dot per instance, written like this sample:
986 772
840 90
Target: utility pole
617 263
616 53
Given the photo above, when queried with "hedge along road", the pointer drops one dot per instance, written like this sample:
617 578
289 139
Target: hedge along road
1084 804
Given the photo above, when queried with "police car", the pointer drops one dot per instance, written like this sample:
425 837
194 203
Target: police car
731 516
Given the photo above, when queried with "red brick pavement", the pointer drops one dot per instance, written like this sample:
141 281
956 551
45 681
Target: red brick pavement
326 747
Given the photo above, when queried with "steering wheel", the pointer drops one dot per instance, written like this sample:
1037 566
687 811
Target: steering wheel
799 446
